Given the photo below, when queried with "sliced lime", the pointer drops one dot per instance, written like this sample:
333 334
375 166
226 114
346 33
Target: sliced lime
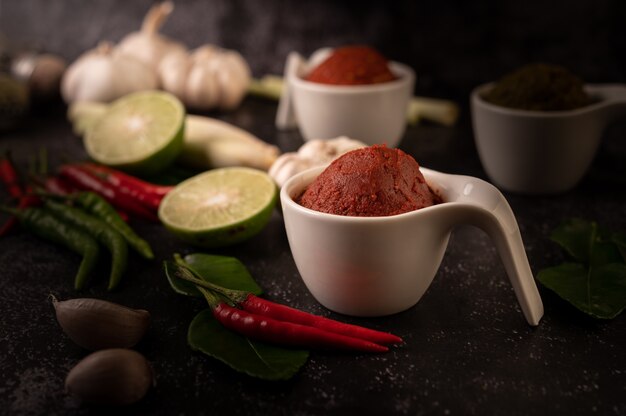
140 132
219 207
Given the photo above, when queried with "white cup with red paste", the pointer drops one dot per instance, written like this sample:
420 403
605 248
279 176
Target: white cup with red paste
381 265
369 105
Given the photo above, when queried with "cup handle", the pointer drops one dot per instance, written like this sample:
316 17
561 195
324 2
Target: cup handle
285 115
613 100
484 206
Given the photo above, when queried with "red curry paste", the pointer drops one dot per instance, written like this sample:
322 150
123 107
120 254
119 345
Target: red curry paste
370 182
352 65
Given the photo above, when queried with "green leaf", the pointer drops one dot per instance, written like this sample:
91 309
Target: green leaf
598 291
180 286
576 236
604 252
619 239
223 271
254 358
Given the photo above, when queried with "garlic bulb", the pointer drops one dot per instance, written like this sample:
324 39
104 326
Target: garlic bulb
103 75
312 153
147 45
208 78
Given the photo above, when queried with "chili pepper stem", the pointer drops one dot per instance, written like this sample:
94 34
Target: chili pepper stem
184 272
211 299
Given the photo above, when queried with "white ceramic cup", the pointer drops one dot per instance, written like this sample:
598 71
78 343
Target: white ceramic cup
373 266
533 152
373 114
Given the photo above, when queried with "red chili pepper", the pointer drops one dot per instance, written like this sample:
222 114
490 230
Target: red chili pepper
119 178
58 186
27 200
272 322
260 306
88 181
145 192
9 176
263 328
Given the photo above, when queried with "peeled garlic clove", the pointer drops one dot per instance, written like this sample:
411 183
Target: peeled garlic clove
96 324
110 377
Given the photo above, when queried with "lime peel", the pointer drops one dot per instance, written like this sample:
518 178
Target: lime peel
140 132
220 207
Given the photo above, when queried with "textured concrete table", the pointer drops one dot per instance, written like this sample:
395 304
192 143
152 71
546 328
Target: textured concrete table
468 349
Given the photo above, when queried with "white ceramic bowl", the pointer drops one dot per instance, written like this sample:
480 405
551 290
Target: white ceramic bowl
373 114
533 152
372 266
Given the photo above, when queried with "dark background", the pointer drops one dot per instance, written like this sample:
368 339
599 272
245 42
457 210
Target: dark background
453 45
468 349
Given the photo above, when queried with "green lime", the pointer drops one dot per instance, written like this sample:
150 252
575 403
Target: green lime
140 132
219 207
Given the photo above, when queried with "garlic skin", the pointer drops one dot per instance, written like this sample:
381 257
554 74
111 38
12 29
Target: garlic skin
311 154
104 75
148 45
208 78
115 377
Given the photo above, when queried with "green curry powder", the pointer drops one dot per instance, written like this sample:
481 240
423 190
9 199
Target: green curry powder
539 87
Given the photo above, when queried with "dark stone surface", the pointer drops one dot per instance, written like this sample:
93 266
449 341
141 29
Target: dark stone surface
468 348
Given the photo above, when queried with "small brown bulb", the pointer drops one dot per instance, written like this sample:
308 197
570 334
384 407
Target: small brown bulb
115 377
96 324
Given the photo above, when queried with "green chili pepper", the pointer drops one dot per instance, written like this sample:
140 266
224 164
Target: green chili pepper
100 208
101 231
45 225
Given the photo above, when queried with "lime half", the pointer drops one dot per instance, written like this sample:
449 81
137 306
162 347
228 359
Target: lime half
219 207
140 132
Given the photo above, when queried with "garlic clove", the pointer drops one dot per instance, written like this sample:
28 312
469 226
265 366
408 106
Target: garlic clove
96 324
110 377
233 76
205 53
325 151
173 72
132 75
316 152
202 88
286 166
